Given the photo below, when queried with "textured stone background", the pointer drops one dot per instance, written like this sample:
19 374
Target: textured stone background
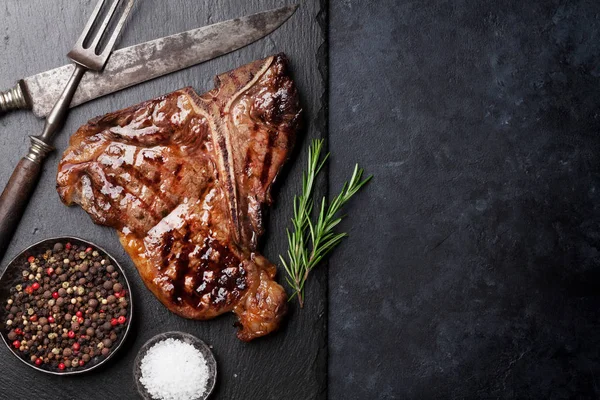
472 270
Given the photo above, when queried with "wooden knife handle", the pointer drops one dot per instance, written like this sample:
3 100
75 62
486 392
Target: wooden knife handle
15 197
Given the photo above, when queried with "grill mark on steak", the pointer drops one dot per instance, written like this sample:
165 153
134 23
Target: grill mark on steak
247 162
177 170
114 181
149 184
220 287
182 263
166 249
197 170
264 174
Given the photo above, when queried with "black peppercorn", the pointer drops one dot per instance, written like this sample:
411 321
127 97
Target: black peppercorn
67 297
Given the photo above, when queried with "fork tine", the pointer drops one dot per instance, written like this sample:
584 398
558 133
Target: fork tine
88 56
111 42
89 24
102 30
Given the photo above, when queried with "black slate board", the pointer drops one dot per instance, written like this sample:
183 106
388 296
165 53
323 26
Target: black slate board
35 36
472 270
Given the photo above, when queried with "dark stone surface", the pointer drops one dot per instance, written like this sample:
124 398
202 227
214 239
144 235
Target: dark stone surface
472 268
35 35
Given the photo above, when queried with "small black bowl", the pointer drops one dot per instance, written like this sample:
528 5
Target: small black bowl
184 337
12 275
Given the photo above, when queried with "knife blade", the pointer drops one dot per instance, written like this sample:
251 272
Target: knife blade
145 61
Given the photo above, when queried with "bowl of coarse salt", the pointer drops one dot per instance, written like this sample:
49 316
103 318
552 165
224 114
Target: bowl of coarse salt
175 366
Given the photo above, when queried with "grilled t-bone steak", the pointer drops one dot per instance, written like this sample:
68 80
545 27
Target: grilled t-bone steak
184 180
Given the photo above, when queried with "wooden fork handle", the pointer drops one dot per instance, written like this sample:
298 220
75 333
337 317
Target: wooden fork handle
15 197
16 194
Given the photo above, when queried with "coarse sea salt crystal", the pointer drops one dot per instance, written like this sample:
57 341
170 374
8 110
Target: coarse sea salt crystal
174 370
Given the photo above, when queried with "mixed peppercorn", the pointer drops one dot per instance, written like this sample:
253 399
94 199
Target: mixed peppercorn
69 308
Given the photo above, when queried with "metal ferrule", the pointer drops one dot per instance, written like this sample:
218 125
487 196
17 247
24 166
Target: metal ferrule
38 150
13 99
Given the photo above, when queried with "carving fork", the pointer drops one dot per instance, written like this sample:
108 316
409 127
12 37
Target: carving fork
19 188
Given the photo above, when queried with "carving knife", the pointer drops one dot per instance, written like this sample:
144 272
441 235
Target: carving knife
143 62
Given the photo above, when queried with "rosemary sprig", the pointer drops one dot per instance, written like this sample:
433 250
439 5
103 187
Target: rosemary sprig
310 242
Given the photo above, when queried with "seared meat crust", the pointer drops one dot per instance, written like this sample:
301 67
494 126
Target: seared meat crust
184 179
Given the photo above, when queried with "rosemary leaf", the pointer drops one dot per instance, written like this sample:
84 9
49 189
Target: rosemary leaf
310 242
